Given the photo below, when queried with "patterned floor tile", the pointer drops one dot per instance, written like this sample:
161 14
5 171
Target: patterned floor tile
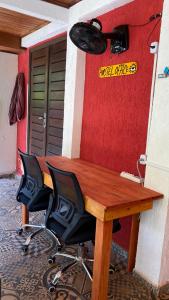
27 277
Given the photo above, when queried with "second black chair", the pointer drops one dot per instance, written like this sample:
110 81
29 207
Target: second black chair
67 219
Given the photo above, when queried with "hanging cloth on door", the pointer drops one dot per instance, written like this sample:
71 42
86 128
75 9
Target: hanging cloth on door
17 105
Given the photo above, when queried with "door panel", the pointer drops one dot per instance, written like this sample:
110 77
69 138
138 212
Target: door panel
56 132
37 135
56 104
56 90
55 140
56 113
39 79
58 66
38 103
57 76
39 87
47 85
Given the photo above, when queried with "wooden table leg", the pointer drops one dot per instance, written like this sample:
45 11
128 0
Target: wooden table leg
133 242
103 242
25 215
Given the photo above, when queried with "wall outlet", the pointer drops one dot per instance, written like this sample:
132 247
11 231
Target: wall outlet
143 159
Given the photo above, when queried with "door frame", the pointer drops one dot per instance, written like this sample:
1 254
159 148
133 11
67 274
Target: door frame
33 49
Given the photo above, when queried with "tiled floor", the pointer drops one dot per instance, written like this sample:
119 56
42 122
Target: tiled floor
27 277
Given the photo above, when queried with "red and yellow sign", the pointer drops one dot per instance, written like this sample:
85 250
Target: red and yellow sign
128 68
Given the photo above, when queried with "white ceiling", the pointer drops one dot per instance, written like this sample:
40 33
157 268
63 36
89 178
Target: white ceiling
61 18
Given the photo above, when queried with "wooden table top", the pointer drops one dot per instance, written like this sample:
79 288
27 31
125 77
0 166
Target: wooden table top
102 185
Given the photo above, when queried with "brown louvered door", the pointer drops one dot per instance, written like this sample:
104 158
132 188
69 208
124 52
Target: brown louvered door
47 99
57 62
38 103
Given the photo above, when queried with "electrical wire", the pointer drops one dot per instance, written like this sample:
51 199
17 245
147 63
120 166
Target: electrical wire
152 18
148 40
154 77
140 25
139 174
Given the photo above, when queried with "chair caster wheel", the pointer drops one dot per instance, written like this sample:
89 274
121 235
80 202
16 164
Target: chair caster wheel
51 260
51 288
19 231
112 269
24 249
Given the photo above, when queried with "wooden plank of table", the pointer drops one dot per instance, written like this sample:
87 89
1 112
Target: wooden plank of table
99 211
128 210
103 241
102 185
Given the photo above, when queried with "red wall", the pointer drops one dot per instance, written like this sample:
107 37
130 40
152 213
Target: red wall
116 109
23 66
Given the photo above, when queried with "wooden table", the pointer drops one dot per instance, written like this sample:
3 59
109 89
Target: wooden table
107 196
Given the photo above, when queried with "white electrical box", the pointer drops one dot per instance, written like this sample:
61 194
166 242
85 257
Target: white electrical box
154 47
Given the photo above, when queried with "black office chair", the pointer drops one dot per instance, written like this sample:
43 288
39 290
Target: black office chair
32 192
67 219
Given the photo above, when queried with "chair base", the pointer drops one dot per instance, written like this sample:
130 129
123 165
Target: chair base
39 228
79 259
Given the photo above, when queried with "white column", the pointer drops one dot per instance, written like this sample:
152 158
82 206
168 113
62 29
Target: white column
73 102
152 260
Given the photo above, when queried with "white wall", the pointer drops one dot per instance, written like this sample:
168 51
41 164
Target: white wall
8 71
153 244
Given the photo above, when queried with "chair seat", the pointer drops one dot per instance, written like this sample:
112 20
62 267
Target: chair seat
85 233
41 203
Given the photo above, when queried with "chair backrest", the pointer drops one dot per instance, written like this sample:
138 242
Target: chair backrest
67 193
32 192
32 170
